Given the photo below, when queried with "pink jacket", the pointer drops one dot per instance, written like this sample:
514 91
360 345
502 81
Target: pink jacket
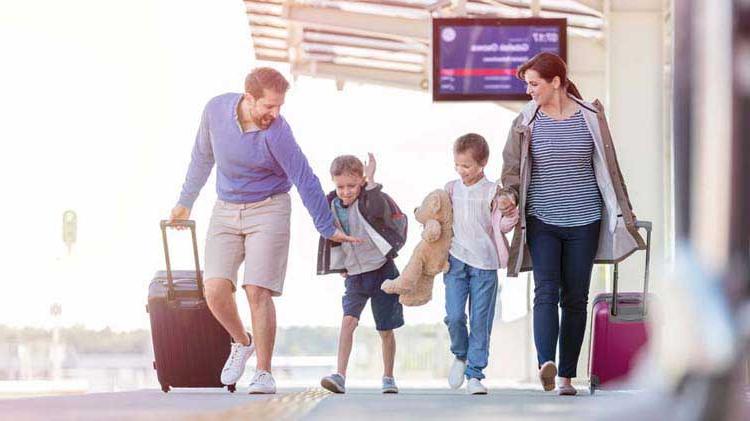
501 225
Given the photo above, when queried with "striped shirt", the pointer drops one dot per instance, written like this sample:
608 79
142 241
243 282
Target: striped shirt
563 189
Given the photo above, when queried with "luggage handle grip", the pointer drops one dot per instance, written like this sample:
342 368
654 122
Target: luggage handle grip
189 223
647 225
170 280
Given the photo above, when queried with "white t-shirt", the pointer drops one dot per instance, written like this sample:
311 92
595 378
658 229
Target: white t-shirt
472 224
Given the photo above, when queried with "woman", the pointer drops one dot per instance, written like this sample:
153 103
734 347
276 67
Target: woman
560 168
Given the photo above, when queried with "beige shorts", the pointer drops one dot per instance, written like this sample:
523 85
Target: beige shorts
256 233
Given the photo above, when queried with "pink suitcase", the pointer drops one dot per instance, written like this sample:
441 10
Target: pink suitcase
618 328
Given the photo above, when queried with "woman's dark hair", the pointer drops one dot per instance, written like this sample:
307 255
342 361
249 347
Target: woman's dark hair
549 65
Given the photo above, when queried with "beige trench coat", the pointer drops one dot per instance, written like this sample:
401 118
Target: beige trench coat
618 237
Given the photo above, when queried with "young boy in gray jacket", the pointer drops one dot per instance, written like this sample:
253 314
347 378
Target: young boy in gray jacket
363 211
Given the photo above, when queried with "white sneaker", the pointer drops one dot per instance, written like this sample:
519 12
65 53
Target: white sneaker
235 365
262 383
456 375
475 387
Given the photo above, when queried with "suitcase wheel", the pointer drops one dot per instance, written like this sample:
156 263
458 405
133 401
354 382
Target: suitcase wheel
232 387
593 383
165 388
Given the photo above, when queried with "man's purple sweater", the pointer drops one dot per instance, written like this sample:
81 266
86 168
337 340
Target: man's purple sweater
252 166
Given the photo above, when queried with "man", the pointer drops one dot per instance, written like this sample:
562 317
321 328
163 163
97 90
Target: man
257 160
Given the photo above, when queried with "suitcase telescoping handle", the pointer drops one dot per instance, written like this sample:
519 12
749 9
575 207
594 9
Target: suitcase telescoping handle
170 281
647 226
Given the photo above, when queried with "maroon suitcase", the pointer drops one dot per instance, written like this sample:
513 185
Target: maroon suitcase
618 327
190 346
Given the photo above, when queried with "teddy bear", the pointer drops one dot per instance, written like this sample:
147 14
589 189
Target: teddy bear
430 257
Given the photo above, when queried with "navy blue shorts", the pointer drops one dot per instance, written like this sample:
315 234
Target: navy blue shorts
386 310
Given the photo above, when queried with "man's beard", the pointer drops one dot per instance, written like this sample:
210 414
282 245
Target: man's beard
264 121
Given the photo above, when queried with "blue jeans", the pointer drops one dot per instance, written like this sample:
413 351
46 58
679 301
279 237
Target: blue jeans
479 286
562 258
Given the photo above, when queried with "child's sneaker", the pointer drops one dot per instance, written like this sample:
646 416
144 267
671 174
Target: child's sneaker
335 383
262 383
235 365
389 385
475 387
456 375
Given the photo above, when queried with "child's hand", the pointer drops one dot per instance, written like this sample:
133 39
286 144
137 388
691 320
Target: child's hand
370 169
504 203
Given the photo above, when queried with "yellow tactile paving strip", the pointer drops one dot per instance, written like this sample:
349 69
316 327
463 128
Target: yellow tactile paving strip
291 406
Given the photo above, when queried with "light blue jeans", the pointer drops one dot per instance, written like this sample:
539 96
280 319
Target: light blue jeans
464 282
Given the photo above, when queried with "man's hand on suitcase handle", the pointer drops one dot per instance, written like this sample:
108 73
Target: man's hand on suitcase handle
179 213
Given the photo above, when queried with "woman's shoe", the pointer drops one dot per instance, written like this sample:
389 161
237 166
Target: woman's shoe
547 374
566 390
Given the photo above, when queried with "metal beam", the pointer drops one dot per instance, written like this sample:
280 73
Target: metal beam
535 7
392 26
404 80
597 5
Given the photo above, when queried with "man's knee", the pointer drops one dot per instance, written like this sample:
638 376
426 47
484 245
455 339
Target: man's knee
217 289
257 295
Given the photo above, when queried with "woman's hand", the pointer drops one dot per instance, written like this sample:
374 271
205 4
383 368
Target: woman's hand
504 203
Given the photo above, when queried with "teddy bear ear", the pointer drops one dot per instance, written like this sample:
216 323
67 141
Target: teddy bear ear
436 203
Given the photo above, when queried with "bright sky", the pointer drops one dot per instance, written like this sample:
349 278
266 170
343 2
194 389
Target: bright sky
101 101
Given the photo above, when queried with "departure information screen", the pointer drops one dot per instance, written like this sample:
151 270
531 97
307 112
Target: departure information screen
476 59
